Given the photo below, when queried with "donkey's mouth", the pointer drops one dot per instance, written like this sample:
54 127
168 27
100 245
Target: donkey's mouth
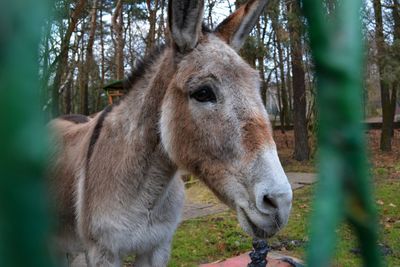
250 227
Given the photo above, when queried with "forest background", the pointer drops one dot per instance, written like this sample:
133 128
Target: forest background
88 44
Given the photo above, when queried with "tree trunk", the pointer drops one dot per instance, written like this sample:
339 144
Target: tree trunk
161 25
117 26
70 79
81 72
289 79
210 7
44 81
278 90
151 36
63 57
301 147
387 119
102 60
69 90
68 95
130 38
285 99
275 12
89 64
260 59
396 39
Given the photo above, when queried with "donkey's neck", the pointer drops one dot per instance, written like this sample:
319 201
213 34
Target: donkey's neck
138 113
134 124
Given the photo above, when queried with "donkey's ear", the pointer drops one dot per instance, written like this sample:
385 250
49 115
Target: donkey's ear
235 28
185 18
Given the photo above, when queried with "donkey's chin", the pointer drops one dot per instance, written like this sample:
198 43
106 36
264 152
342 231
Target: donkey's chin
256 225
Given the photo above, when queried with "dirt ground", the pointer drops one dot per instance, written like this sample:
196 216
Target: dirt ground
384 159
285 145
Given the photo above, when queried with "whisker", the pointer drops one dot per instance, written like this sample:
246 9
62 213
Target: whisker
277 223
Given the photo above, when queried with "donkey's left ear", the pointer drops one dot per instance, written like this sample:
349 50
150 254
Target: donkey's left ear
185 19
235 28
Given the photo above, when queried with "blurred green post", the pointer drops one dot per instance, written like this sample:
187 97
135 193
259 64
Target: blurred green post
24 217
344 188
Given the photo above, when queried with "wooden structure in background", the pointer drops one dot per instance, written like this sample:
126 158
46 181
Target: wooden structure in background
115 91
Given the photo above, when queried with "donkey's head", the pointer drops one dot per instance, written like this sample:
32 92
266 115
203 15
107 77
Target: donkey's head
213 122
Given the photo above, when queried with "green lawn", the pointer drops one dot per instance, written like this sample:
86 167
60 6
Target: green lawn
219 236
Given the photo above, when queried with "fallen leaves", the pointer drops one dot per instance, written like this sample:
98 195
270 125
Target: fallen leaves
380 202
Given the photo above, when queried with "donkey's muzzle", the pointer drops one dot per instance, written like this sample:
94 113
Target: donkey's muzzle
274 206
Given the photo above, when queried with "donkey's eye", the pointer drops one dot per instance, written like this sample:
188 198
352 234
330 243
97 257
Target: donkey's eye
204 94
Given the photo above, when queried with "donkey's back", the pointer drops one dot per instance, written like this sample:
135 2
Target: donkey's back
68 136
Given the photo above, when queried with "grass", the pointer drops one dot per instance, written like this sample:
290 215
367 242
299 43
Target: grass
208 239
217 237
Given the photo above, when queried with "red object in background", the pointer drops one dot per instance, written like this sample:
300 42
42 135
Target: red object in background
243 260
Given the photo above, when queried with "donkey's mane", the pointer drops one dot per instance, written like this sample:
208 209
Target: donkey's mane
141 67
75 118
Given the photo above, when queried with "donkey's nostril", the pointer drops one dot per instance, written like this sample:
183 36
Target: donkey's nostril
270 201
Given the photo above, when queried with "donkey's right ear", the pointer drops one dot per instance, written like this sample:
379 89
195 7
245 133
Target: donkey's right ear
185 19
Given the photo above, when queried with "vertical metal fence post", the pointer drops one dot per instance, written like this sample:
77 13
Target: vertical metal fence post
24 220
344 189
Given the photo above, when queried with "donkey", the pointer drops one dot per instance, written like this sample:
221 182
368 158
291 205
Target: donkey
195 108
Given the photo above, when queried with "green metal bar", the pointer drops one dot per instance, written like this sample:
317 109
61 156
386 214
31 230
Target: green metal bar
24 220
344 189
